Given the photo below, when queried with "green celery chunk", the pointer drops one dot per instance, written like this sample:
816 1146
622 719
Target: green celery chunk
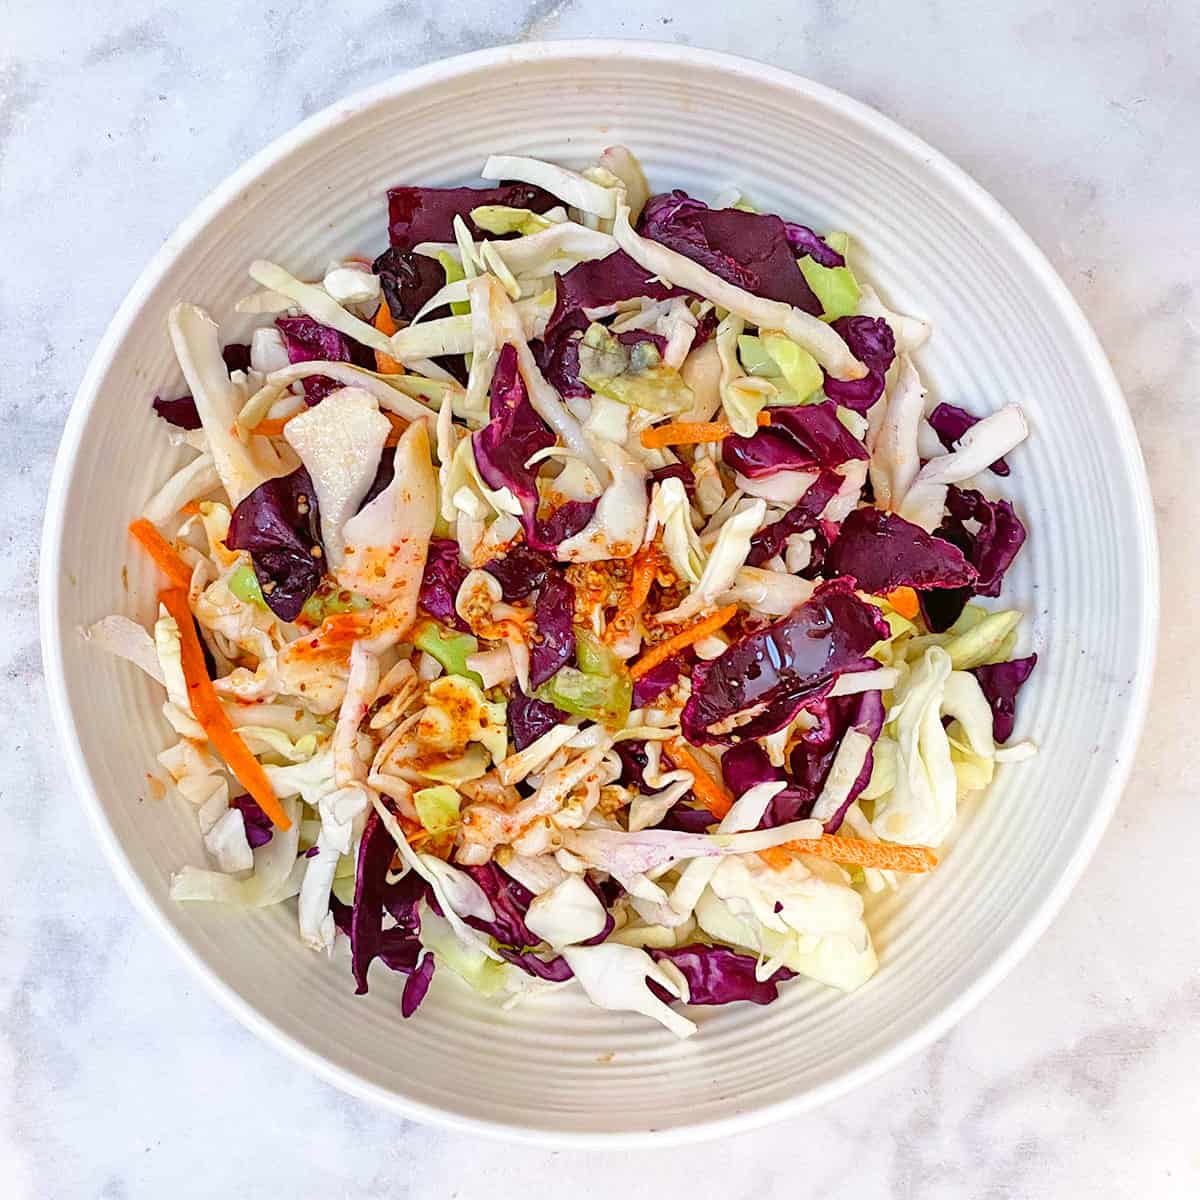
600 689
329 599
449 648
454 273
243 583
437 807
835 287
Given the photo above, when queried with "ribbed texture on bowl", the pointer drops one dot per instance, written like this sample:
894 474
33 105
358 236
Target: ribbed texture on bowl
1005 330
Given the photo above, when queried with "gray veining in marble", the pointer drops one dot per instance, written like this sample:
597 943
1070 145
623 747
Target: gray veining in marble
119 1078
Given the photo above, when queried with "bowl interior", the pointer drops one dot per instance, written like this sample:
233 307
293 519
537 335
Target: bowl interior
1005 330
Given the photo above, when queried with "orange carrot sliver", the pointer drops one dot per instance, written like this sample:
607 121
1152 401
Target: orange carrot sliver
904 601
709 791
385 364
641 577
398 426
164 555
776 857
681 640
690 433
273 426
884 856
190 509
207 709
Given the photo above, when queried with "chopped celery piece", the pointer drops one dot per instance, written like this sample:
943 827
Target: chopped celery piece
799 369
243 583
501 219
329 599
755 358
437 807
605 698
454 273
449 648
835 287
593 656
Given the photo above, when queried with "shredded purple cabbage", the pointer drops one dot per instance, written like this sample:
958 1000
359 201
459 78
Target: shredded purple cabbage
443 576
426 214
803 437
519 570
871 341
768 675
989 544
510 902
278 523
950 422
1000 683
806 514
718 975
554 617
259 829
409 281
529 718
307 340
750 250
883 551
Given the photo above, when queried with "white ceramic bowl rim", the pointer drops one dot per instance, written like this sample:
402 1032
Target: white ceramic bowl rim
946 174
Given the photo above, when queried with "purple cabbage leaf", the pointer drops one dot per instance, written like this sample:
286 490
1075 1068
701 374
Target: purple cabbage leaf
871 341
554 617
443 576
1000 683
279 525
804 515
883 551
765 677
801 437
989 545
307 340
529 718
719 975
426 214
749 250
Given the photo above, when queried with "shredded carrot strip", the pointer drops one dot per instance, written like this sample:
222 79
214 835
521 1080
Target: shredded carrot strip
709 791
398 424
159 549
207 709
689 433
645 567
190 509
681 640
776 857
273 426
385 364
904 601
885 856
641 577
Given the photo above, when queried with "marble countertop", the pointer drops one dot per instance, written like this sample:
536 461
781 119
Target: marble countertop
121 1078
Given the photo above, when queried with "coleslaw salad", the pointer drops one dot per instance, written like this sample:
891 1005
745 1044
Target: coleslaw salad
625 635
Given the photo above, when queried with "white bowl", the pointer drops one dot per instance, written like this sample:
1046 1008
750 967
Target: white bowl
1006 329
